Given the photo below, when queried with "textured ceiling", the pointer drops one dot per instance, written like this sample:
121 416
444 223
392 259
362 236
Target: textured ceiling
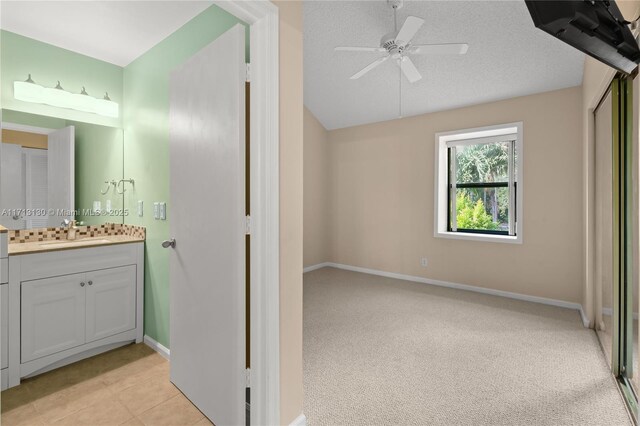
507 57
113 31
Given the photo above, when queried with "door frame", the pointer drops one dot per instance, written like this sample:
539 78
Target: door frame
263 17
589 310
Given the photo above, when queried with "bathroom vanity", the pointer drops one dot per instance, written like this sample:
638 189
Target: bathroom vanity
68 292
66 300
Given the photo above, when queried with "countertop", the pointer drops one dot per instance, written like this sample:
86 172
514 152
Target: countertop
58 245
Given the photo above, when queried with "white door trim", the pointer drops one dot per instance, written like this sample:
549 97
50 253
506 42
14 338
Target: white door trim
589 192
263 17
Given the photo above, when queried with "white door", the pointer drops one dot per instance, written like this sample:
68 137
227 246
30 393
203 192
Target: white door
111 302
36 186
12 189
61 175
52 315
207 263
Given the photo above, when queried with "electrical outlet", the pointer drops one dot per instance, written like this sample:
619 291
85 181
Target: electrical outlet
107 205
140 208
156 211
423 262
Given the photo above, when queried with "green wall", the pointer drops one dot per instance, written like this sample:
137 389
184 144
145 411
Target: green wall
21 56
18 117
98 157
146 130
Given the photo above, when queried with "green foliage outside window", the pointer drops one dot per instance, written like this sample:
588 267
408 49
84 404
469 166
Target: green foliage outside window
472 215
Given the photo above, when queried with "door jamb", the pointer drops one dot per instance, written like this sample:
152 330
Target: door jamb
262 16
589 295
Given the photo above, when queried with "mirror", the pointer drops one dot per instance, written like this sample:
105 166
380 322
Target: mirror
53 169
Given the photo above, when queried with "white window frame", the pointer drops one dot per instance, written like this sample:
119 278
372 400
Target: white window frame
488 134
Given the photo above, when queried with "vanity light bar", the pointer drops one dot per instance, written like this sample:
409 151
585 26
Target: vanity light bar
29 91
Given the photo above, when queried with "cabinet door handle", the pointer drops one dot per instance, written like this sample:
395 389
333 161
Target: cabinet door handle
81 284
90 283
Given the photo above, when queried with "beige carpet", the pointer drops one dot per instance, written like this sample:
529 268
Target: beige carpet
379 351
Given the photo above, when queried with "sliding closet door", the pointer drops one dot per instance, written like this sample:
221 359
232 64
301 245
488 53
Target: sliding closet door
623 236
635 374
604 225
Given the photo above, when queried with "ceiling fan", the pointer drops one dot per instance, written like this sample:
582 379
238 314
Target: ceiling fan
397 45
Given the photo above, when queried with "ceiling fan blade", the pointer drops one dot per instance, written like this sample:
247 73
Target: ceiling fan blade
439 49
369 67
359 49
409 29
409 69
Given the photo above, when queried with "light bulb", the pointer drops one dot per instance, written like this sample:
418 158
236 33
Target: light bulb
57 96
27 91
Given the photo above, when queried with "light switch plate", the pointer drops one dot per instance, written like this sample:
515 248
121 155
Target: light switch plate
97 206
140 208
156 210
107 206
163 211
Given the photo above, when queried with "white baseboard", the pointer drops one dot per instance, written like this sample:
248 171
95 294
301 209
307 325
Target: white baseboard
301 420
161 349
447 284
314 267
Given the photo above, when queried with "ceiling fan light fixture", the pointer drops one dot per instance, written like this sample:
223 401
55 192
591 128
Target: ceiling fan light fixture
397 44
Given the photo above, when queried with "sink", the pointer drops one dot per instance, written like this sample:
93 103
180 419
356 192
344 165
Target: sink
72 243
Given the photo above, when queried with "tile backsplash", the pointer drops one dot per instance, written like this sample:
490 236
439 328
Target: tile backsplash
59 233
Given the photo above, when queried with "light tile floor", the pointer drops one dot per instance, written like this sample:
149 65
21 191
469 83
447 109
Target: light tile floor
126 386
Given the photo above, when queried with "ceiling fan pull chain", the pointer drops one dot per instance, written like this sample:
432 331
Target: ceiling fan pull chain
395 19
400 86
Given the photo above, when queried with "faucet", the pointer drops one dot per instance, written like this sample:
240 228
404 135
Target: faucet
71 228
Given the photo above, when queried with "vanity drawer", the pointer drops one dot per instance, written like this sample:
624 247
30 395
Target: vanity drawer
4 271
66 262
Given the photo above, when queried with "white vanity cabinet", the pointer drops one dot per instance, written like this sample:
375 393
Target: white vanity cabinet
4 311
64 312
53 316
4 326
111 302
72 304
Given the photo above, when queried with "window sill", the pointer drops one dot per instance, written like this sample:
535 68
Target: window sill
488 238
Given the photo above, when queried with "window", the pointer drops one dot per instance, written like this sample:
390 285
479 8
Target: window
479 180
